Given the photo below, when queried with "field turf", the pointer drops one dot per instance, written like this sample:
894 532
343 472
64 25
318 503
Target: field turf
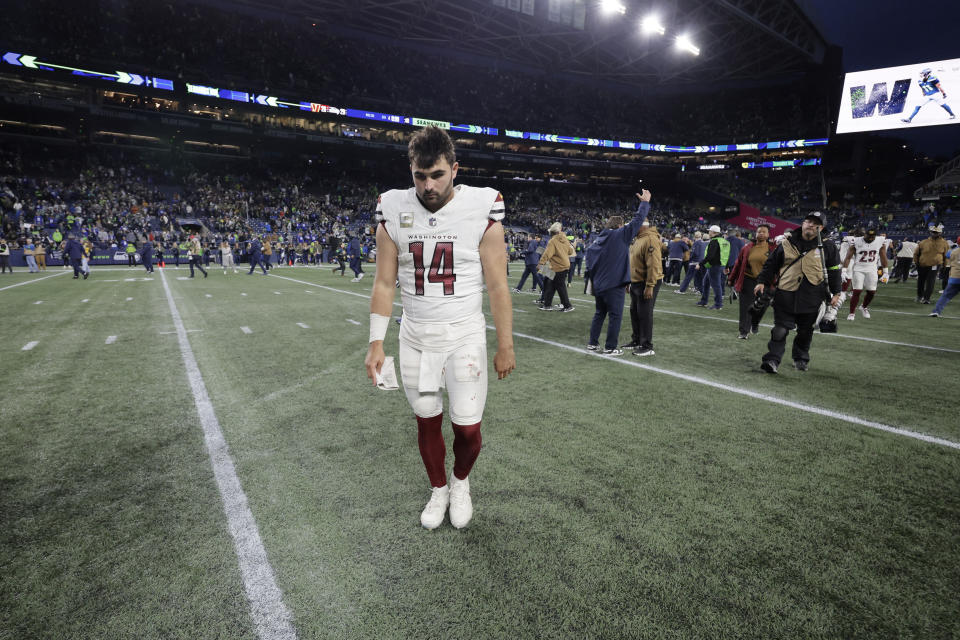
684 495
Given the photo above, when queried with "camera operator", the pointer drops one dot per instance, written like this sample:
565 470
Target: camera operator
798 270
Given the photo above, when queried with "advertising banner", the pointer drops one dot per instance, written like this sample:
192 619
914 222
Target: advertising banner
915 95
750 217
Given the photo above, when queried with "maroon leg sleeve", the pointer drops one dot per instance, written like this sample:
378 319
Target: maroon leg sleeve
867 298
432 448
854 299
466 448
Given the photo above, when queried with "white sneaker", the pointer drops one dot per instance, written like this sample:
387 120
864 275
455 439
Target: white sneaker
852 316
461 507
355 280
432 515
865 311
359 277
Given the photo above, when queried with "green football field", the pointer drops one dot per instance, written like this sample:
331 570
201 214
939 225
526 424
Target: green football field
684 495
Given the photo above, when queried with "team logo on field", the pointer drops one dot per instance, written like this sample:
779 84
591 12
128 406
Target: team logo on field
406 219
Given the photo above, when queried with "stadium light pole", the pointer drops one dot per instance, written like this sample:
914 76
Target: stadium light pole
651 24
684 43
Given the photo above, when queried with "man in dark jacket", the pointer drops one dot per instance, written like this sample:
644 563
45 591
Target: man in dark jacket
146 255
355 254
797 268
608 269
256 256
75 250
531 258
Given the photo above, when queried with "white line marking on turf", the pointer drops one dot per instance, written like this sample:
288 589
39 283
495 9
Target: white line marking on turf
20 284
85 300
278 293
270 615
302 326
243 294
352 321
38 302
110 339
129 299
753 394
170 333
209 296
769 326
29 345
246 329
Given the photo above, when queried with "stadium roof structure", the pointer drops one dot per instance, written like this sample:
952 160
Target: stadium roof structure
739 40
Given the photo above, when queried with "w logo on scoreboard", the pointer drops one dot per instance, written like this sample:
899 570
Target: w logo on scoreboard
878 101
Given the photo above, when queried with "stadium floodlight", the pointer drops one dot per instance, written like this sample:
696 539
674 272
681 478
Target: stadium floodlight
684 42
612 6
651 24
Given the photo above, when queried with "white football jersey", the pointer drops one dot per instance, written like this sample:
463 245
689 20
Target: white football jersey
438 254
867 257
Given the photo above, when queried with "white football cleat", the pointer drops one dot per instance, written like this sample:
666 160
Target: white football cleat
461 506
355 280
432 515
865 311
852 316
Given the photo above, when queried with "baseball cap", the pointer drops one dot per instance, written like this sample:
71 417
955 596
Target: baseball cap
816 216
676 235
715 228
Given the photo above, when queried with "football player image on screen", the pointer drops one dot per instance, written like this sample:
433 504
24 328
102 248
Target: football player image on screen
933 92
442 243
867 253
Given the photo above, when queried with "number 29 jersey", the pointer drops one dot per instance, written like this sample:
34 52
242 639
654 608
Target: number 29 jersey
867 256
438 254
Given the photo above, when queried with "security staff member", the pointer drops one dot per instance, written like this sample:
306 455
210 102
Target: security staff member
131 252
796 267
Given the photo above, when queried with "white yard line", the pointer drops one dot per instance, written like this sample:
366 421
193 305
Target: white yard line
352 321
38 302
110 340
246 329
302 325
725 387
768 326
270 615
30 345
85 300
752 394
20 284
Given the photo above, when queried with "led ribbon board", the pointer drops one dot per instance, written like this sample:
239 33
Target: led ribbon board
123 77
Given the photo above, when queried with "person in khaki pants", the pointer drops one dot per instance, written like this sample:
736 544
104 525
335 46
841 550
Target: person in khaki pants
40 254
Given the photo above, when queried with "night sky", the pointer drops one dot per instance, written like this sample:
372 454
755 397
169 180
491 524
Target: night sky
887 34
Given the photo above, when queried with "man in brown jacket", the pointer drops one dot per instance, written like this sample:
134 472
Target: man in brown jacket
931 254
646 276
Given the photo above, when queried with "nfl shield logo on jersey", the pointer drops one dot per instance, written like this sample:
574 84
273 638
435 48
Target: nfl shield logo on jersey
432 221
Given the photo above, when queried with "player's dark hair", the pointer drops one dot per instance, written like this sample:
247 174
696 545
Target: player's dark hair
614 222
428 145
765 226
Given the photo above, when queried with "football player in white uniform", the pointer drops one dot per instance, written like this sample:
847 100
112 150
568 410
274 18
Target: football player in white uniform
867 252
442 243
